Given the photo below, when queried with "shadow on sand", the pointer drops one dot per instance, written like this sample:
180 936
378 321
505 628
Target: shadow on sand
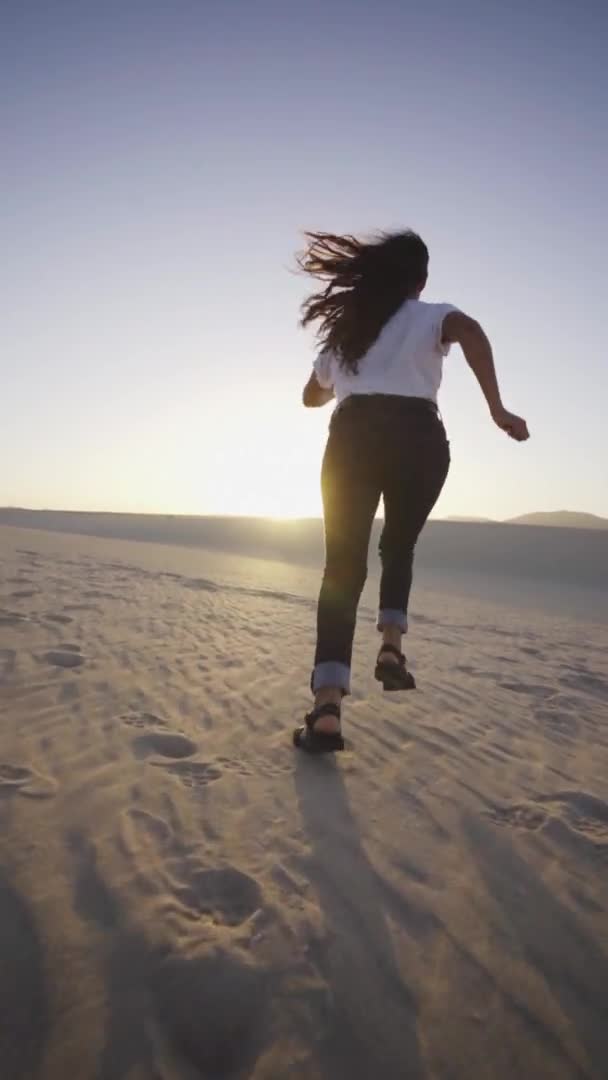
24 1010
371 1028
555 944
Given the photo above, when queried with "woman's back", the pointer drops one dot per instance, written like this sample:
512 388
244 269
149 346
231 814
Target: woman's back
406 359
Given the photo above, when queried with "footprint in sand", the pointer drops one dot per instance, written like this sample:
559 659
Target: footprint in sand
138 822
22 594
192 774
227 895
66 656
166 743
518 816
582 812
20 780
235 766
169 744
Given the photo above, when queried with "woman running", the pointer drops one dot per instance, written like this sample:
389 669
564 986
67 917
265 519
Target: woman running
381 358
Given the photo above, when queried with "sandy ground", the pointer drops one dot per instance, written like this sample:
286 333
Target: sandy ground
183 896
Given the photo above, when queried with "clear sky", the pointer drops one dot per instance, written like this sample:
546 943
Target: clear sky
159 163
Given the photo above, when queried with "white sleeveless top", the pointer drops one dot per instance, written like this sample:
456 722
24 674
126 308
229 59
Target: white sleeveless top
405 359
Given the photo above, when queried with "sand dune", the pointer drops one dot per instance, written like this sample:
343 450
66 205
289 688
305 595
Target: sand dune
562 556
182 896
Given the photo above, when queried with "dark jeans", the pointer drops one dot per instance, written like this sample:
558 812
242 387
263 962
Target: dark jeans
378 445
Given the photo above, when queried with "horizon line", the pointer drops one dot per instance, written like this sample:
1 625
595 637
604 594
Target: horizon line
453 519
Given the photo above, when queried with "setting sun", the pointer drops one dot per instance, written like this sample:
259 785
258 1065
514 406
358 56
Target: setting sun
269 469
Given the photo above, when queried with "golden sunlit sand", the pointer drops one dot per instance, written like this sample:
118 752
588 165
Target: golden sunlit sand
182 896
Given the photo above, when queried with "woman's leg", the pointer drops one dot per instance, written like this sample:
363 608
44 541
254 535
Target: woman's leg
413 482
351 487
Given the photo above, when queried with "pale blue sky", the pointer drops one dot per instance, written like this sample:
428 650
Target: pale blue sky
160 161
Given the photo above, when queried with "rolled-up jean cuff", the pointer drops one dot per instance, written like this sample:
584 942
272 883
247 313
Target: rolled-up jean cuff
392 617
331 673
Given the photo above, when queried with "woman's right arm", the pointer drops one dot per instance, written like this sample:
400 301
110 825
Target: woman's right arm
466 332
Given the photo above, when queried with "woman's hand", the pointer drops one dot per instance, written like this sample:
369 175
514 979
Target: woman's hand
314 396
460 328
515 426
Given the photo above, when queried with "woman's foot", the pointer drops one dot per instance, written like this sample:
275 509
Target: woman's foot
320 732
387 656
327 722
391 669
390 650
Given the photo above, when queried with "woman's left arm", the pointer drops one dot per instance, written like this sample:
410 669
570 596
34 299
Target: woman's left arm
314 395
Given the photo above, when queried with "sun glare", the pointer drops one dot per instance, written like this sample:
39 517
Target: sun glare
272 469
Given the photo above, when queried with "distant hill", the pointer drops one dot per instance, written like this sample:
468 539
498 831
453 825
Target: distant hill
466 520
562 519
559 519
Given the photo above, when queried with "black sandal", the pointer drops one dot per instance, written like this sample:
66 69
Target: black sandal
318 742
394 676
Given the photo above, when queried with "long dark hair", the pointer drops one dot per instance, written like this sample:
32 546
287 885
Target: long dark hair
368 280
